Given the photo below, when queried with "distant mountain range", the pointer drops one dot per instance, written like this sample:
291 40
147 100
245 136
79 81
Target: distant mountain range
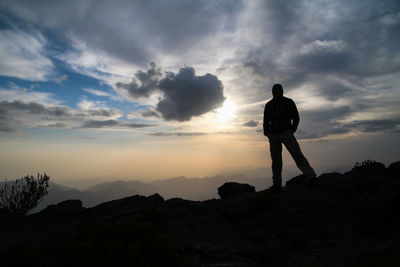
187 188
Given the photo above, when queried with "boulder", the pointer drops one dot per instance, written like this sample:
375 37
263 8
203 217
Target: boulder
394 169
232 189
126 206
372 168
297 180
67 207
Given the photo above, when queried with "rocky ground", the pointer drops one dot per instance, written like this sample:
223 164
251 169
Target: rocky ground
349 219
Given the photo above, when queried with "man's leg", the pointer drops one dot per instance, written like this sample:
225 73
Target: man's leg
275 146
293 147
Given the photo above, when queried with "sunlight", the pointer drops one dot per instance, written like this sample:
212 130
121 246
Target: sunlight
226 112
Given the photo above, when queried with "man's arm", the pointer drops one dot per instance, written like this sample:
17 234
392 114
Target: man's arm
295 117
266 123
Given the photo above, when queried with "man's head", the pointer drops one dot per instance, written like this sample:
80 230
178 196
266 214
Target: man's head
277 90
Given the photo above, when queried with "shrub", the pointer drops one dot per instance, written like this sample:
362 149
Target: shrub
24 194
368 168
367 162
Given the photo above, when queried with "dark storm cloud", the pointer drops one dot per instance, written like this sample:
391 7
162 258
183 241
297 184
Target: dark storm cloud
187 95
144 84
180 134
250 124
113 123
168 26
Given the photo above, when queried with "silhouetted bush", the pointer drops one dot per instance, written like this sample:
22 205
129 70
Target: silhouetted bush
24 194
364 163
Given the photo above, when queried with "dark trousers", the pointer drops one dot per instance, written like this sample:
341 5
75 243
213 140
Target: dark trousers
289 140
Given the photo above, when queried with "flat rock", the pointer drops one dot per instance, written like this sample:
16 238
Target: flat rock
232 189
297 180
125 206
67 207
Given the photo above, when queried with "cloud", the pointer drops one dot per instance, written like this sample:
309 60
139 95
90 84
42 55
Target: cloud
324 115
96 92
345 53
180 134
187 95
32 108
103 94
85 104
6 125
35 108
150 113
60 79
322 122
140 29
17 93
23 55
250 124
333 90
57 125
323 61
370 126
144 83
255 68
113 123
20 114
184 95
363 126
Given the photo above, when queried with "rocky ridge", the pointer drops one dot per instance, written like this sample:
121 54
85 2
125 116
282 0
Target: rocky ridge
349 219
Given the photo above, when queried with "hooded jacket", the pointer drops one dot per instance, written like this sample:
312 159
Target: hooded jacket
280 114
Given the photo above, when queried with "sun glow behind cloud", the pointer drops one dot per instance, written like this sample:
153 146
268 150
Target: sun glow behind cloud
226 113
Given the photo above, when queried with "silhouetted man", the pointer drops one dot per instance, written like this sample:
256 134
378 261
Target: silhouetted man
281 119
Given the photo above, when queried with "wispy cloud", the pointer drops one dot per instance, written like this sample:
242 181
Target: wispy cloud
113 123
180 134
32 114
103 94
16 93
60 79
250 124
23 55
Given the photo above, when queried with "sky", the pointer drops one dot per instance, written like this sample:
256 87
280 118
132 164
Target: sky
146 90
